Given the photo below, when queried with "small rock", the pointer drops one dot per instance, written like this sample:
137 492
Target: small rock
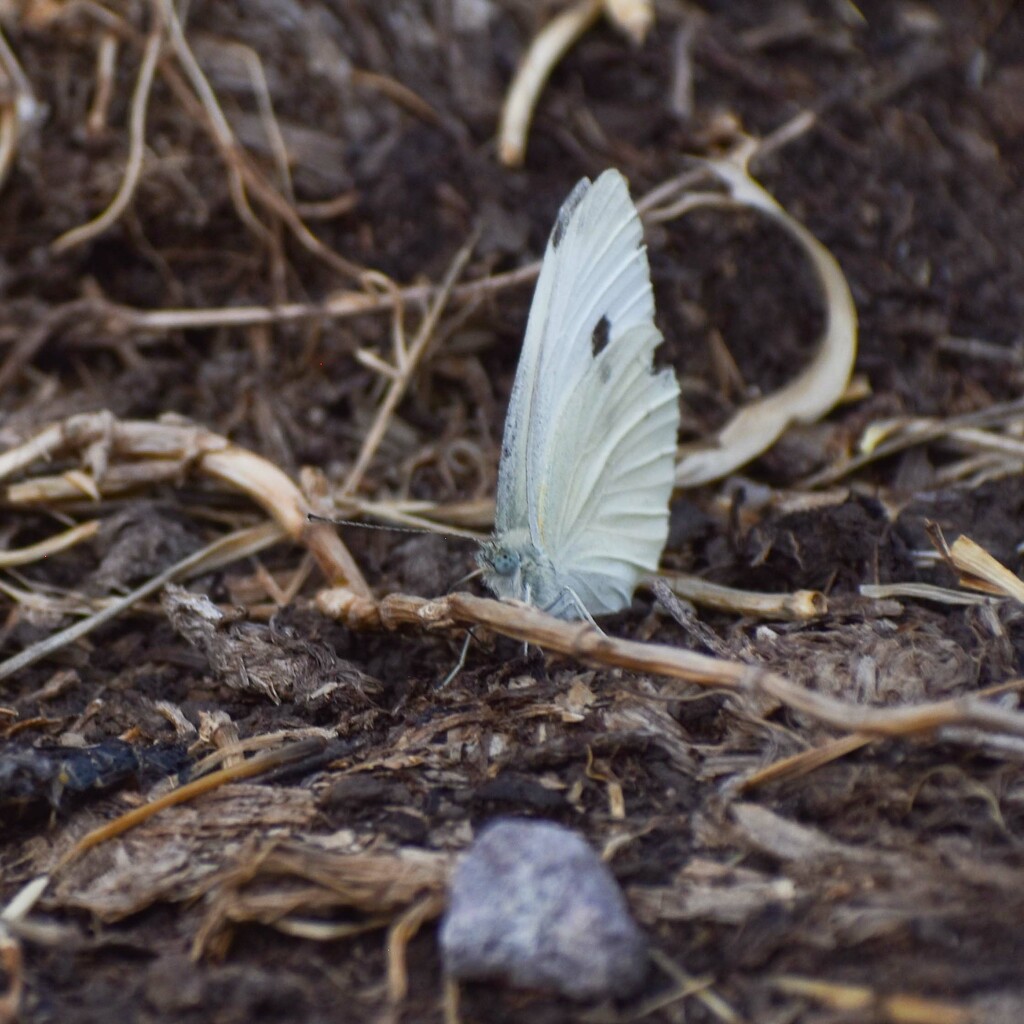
533 905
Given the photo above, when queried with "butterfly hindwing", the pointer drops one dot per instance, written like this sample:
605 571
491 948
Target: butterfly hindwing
604 506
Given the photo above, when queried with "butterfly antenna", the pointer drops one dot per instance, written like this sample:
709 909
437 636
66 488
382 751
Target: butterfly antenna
314 518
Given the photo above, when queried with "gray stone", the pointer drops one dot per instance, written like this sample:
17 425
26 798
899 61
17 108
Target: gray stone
531 904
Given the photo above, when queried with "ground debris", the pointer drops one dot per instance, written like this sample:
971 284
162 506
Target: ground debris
174 856
257 658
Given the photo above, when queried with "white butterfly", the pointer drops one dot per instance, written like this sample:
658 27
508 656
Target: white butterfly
589 448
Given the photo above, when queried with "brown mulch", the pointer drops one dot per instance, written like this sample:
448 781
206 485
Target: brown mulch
214 353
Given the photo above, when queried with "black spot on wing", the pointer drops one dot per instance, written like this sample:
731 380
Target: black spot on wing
568 208
599 336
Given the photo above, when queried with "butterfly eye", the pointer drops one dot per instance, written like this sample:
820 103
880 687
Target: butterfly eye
504 563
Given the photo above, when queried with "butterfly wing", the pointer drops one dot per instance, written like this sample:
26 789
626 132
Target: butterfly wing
594 277
604 506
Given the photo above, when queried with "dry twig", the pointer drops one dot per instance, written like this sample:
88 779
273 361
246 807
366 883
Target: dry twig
401 374
586 644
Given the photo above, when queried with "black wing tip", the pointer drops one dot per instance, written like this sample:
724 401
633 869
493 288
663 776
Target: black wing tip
611 178
567 209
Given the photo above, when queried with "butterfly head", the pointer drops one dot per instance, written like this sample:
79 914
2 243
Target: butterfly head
515 569
498 559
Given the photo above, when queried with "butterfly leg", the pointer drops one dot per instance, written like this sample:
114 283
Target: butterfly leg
578 605
460 664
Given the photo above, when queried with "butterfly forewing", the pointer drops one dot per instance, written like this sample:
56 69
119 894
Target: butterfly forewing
588 450
512 510
594 267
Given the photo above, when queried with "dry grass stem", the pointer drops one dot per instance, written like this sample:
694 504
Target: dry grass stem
206 557
857 999
406 364
805 762
106 72
136 151
400 934
800 605
268 118
18 107
190 791
921 592
887 438
549 46
242 174
50 546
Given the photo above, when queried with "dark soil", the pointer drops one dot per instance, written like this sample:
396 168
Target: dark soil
896 870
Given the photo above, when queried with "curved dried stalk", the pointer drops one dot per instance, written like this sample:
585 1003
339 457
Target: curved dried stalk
548 47
817 389
166 448
50 546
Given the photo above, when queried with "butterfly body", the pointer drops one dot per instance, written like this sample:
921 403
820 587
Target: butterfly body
588 453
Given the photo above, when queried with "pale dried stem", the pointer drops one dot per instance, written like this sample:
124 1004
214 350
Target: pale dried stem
584 643
854 1001
224 549
106 64
51 546
548 47
136 151
162 445
915 432
799 605
805 762
241 172
349 304
922 592
245 770
268 117
19 105
399 94
402 931
407 363
8 139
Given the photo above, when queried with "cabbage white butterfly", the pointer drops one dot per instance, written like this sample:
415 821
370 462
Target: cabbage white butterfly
590 439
